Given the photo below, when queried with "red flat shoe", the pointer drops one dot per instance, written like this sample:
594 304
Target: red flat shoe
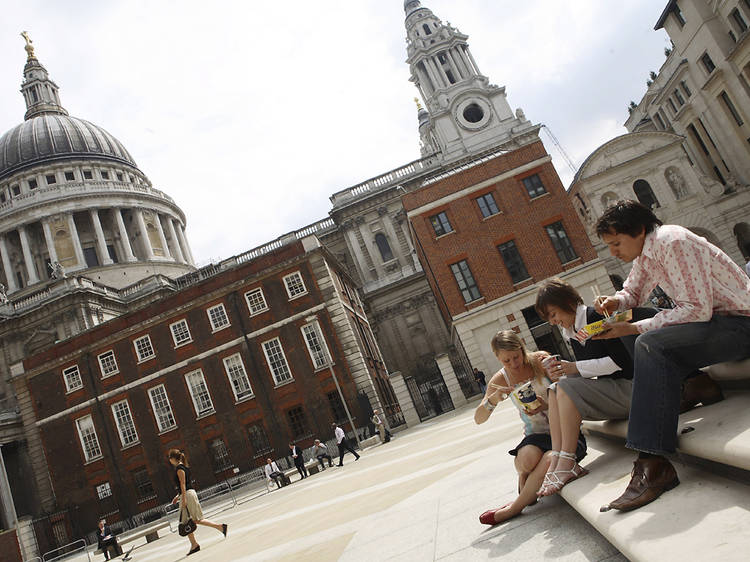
488 517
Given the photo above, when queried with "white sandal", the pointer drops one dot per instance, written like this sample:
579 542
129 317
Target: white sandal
548 476
555 482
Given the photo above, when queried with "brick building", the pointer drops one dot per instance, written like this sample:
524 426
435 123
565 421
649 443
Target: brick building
487 231
229 368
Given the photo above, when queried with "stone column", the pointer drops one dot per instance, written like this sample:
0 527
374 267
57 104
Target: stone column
184 245
51 250
404 399
162 238
101 243
353 243
27 257
453 65
459 62
124 240
471 58
436 73
9 277
144 234
176 251
76 241
451 382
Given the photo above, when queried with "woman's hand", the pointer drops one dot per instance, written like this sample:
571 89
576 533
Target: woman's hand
496 393
177 497
606 304
567 368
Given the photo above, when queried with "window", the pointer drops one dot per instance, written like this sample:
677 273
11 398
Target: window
119 176
561 242
276 361
69 176
124 422
298 422
534 186
685 89
180 332
678 15
90 257
384 247
105 174
294 284
672 106
739 21
51 179
32 185
708 64
89 441
72 378
645 194
103 491
217 316
731 108
237 376
143 348
465 280
256 302
441 224
199 393
678 97
220 456
315 345
337 407
108 363
258 440
162 410
144 489
513 261
659 120
87 175
487 205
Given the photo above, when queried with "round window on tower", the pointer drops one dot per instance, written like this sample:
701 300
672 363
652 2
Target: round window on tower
473 113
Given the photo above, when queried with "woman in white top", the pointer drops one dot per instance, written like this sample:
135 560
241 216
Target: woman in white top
520 371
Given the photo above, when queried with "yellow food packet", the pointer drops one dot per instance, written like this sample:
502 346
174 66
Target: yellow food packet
596 328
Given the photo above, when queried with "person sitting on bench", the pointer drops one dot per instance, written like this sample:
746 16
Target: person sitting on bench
273 473
107 540
320 452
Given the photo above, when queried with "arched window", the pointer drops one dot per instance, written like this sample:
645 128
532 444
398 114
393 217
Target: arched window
384 247
645 194
427 30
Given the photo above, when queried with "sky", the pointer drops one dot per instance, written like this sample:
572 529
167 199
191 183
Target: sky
251 114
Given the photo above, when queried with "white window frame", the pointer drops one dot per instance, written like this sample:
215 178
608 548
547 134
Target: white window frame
103 490
237 370
102 369
296 295
250 306
214 327
179 329
270 363
138 353
198 412
72 385
82 439
125 424
162 412
314 328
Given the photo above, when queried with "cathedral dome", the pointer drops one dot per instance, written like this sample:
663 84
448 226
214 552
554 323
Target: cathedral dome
54 136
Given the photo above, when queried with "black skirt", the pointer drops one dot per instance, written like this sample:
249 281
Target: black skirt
544 442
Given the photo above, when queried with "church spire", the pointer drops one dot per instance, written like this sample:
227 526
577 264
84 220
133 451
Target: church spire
39 92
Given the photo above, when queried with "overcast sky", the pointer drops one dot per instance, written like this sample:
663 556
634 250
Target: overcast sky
251 114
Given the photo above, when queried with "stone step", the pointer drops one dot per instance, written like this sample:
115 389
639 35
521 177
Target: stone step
718 433
706 517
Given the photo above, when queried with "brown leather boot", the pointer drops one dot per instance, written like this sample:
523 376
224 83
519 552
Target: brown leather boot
650 478
700 389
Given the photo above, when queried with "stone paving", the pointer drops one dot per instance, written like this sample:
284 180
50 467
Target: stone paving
415 498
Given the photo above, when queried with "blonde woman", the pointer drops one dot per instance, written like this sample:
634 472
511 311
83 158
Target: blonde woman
190 508
521 373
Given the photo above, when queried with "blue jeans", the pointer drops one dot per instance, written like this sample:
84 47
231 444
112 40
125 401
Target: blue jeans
663 358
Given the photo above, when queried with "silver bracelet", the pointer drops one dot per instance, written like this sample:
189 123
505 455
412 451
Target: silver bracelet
487 406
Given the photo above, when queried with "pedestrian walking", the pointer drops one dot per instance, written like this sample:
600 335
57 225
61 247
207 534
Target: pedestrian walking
481 380
190 507
343 444
299 460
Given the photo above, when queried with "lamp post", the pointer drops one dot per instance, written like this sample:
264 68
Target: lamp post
329 363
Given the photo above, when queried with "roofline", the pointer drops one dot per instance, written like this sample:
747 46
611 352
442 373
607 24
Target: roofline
660 23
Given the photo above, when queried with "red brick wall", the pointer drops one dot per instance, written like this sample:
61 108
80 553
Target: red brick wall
9 547
475 238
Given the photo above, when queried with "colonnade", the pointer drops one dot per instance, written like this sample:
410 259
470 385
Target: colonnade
24 249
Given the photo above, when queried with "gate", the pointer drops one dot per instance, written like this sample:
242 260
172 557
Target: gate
431 397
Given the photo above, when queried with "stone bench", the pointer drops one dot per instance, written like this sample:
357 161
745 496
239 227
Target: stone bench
151 533
730 371
370 442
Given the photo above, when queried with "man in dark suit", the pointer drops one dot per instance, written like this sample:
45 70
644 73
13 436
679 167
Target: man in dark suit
299 460
107 540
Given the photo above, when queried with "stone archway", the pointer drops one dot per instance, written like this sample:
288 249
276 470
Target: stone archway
645 194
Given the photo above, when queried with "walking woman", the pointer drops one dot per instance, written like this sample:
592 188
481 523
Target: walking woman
524 379
190 508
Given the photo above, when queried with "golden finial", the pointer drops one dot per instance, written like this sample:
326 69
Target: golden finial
419 105
29 45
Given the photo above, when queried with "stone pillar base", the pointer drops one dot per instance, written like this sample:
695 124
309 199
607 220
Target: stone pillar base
404 399
451 381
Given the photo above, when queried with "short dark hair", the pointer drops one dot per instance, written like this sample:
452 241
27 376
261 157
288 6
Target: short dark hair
559 293
627 217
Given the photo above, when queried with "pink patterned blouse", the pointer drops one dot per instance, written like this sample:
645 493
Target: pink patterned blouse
700 278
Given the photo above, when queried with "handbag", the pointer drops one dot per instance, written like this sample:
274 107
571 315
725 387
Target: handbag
188 526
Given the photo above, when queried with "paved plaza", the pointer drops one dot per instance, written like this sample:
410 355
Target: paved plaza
415 498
